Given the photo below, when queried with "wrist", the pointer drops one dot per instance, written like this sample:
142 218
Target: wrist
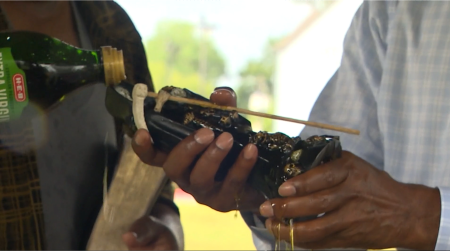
425 215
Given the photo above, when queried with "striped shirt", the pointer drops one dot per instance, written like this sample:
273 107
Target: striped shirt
393 85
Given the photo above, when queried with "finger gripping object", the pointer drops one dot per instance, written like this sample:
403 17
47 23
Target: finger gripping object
280 157
139 94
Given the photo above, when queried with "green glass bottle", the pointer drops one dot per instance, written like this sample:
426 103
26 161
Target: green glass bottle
40 70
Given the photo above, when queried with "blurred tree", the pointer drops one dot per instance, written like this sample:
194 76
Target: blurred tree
175 54
257 85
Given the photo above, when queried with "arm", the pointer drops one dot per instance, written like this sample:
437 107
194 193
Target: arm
350 99
347 98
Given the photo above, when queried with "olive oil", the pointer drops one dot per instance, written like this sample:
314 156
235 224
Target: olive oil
278 241
291 233
40 70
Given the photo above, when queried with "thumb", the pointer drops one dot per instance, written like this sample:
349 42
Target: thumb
143 232
224 96
143 146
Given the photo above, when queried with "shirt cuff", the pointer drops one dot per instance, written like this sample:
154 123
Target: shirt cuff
443 240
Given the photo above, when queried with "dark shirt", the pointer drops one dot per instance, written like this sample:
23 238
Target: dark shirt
52 167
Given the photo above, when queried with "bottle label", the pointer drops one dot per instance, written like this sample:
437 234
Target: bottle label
13 87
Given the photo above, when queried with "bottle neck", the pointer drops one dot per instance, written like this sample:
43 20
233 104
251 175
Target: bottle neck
47 69
113 65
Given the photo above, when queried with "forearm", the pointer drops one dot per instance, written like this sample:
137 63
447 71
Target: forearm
171 219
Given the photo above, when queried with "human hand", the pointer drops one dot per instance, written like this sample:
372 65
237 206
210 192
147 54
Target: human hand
231 194
364 208
199 182
142 141
149 233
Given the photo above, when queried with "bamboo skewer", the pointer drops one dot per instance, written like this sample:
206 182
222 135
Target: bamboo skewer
259 114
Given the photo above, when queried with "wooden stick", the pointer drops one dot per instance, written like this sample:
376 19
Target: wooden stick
259 114
133 193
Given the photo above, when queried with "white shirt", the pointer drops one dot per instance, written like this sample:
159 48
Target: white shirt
394 86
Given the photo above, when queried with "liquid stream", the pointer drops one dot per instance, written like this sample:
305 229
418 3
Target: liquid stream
291 234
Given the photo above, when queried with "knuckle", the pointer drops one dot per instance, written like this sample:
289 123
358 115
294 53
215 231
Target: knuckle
323 202
330 177
235 183
357 174
355 194
319 202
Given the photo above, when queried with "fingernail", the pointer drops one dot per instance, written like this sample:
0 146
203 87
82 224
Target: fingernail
266 209
249 151
139 140
204 136
286 190
224 141
224 91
